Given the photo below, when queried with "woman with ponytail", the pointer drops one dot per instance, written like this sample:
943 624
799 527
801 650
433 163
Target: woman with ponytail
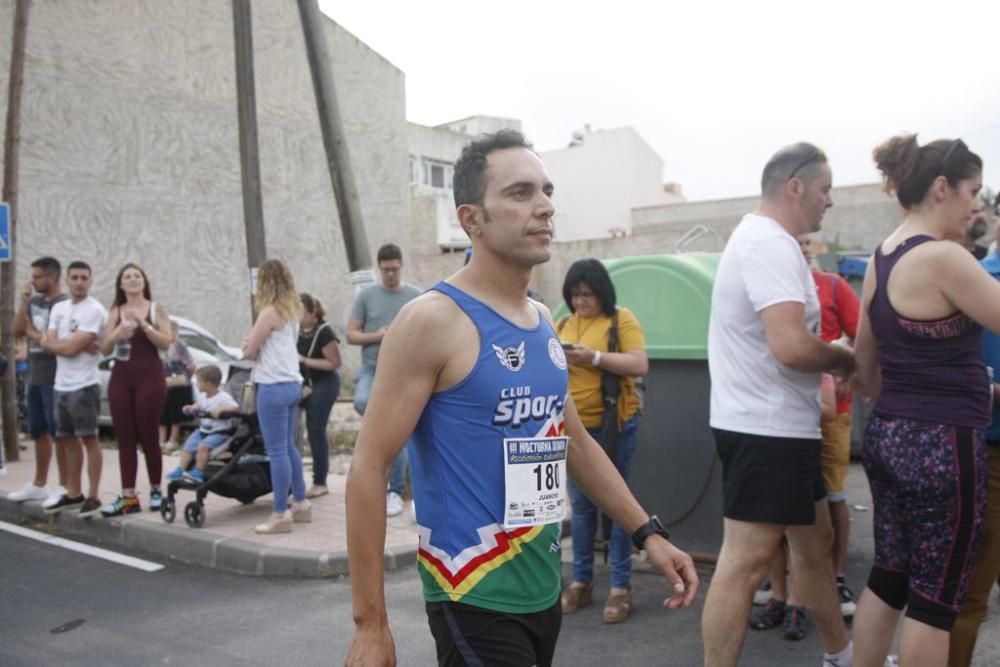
925 302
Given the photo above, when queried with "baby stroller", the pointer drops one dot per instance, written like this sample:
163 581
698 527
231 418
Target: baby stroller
238 468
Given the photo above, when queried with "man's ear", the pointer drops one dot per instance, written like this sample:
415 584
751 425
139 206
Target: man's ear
470 217
794 187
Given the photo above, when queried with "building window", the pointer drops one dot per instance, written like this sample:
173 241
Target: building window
436 174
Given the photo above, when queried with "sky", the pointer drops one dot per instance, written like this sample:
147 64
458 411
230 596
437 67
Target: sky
714 87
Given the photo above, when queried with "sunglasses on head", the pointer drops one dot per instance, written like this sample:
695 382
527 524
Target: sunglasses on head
811 157
947 154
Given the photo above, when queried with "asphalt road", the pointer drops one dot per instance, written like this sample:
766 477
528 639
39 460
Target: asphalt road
64 608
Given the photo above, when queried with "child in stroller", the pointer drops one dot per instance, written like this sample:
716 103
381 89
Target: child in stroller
235 466
215 407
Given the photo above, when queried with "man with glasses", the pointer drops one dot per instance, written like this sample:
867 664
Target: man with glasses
765 358
38 297
373 310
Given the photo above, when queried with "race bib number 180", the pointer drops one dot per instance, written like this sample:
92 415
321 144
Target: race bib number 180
535 481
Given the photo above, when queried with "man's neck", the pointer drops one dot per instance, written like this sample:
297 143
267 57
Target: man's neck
398 287
494 282
52 293
780 215
210 393
81 299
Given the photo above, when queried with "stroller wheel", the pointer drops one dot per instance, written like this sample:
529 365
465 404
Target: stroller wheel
194 514
168 509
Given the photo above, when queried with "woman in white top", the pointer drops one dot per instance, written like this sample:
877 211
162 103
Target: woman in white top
279 388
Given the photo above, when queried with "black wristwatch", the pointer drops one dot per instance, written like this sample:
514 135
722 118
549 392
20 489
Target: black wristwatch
643 532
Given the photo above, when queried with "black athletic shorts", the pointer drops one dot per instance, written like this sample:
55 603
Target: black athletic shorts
768 479
467 636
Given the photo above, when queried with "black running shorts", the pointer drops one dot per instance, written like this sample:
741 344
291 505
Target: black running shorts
768 479
467 636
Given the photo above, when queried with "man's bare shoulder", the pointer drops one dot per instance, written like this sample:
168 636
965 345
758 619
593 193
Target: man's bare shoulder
430 316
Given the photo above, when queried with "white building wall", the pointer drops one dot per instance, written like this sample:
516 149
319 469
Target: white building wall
130 152
599 181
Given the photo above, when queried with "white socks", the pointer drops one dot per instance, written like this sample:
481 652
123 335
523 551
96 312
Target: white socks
843 659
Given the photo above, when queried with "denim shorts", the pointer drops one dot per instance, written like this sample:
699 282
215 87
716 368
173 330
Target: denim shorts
41 413
76 411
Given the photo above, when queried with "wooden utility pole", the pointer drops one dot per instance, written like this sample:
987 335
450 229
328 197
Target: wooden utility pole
338 158
246 103
11 144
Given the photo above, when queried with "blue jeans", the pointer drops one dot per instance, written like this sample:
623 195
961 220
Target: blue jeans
585 519
362 389
41 409
209 440
276 405
318 407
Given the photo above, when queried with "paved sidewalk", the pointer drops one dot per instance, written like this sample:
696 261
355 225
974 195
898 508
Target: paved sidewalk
227 541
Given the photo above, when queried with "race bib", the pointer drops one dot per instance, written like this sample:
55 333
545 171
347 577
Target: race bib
534 481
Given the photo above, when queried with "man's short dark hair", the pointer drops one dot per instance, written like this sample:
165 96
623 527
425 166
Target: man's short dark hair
49 265
79 264
796 160
469 182
389 251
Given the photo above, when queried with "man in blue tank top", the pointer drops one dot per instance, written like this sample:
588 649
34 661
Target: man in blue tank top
473 368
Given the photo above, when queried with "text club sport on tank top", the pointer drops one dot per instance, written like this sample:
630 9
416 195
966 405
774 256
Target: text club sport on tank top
488 462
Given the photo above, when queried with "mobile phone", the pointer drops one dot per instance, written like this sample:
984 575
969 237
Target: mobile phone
568 346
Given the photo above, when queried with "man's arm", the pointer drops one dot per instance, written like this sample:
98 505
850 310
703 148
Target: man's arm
69 347
848 307
22 324
600 481
355 336
404 380
794 346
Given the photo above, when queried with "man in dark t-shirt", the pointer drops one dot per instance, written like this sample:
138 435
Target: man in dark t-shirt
31 320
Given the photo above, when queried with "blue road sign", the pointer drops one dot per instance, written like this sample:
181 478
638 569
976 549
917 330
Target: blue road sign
4 232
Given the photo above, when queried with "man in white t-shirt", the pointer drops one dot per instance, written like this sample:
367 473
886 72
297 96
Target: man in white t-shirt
765 358
74 326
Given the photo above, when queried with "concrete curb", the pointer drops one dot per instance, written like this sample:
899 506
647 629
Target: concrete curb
198 547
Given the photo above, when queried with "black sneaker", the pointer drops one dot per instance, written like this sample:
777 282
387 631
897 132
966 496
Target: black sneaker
769 616
795 623
65 503
90 507
847 604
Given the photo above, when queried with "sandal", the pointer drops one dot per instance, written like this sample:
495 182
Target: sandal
617 606
577 597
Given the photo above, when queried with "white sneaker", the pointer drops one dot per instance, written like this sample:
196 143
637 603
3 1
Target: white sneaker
54 497
393 504
29 492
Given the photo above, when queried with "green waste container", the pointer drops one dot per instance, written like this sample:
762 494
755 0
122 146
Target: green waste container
675 473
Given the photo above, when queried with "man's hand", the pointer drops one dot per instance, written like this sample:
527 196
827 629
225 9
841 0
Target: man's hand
845 361
678 568
371 646
27 290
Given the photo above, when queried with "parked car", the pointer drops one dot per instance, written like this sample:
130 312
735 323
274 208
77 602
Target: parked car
205 349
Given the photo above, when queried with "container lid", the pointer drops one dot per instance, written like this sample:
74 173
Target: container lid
671 296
